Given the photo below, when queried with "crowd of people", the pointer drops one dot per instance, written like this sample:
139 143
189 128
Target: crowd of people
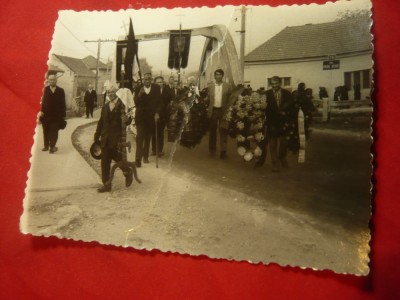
153 99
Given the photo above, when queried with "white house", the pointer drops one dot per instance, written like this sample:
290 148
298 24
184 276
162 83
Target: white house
297 54
74 79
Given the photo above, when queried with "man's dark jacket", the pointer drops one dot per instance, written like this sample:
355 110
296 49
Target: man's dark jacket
90 98
147 105
278 117
109 128
53 105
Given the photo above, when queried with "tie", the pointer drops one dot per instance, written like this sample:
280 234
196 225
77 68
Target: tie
278 98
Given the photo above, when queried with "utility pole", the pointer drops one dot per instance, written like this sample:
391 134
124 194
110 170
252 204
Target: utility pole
242 39
99 41
179 48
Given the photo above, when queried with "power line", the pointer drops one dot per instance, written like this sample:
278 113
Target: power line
80 42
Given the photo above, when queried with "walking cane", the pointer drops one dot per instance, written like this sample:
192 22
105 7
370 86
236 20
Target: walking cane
155 120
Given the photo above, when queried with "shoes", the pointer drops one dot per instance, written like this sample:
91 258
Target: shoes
223 155
275 168
45 149
212 153
153 153
129 178
104 189
284 163
138 163
160 154
258 164
145 161
53 149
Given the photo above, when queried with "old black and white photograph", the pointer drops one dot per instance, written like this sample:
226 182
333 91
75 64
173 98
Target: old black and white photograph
236 132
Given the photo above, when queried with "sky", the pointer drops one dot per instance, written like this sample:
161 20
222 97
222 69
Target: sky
72 28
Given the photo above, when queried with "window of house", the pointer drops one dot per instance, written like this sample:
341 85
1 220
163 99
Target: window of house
361 78
285 82
347 80
366 79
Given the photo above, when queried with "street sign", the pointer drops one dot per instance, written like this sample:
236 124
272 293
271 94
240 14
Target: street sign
332 57
331 64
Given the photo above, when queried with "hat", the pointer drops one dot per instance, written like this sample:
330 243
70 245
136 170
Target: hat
95 151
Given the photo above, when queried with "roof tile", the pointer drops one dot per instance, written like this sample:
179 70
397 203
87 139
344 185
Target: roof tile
316 40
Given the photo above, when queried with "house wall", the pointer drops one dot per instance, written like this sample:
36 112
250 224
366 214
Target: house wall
66 81
309 72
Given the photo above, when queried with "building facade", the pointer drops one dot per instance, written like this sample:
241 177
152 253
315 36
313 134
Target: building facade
74 76
298 54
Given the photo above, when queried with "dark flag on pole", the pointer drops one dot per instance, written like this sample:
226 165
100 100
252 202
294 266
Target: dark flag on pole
131 52
179 44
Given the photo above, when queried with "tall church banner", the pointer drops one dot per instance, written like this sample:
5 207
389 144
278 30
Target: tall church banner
179 44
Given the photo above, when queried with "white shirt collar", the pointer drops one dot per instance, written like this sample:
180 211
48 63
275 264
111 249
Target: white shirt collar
147 89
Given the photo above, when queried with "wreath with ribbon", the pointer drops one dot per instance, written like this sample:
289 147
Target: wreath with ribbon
246 119
188 118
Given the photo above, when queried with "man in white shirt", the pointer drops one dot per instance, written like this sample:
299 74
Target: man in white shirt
148 105
218 94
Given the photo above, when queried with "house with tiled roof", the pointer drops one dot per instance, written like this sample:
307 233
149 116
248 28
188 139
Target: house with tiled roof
91 62
74 75
297 54
104 72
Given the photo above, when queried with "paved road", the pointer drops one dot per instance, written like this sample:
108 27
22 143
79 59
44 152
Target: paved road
313 215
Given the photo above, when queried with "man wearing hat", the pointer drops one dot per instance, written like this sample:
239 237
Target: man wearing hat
110 128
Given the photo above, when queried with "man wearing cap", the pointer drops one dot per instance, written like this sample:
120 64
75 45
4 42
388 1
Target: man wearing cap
113 121
52 113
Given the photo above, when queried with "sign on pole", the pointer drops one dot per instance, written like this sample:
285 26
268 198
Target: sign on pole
331 64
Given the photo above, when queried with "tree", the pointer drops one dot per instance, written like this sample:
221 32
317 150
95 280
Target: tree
350 14
144 66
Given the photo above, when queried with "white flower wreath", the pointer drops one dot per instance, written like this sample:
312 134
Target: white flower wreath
247 118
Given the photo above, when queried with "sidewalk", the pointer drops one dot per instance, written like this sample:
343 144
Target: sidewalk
64 169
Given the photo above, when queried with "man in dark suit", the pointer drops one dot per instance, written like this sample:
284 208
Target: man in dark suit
52 113
148 103
90 100
218 95
278 114
172 87
109 133
166 98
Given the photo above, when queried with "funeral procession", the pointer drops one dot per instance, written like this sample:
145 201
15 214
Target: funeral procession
216 133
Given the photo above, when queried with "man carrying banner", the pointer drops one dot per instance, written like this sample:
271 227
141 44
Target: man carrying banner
218 95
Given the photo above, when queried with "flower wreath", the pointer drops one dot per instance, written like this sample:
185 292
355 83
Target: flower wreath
188 119
246 119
